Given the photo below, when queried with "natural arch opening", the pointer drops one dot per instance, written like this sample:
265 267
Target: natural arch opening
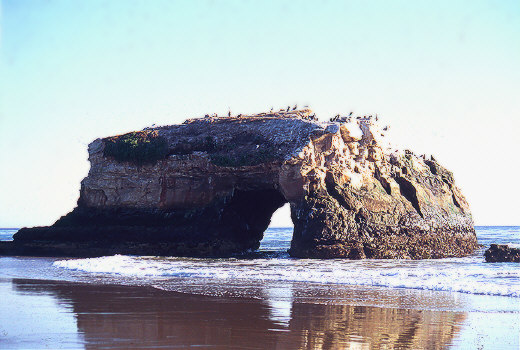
277 238
281 218
248 213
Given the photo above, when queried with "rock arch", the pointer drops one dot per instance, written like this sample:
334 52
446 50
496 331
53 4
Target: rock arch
248 213
209 186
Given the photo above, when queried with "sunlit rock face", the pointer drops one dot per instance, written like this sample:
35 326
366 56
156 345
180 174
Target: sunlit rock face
209 186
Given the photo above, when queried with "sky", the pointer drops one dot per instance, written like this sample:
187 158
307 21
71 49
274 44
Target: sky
443 74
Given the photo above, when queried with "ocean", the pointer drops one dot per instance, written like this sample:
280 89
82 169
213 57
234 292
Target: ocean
468 286
271 263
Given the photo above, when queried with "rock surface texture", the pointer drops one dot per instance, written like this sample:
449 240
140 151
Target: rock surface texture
209 186
502 253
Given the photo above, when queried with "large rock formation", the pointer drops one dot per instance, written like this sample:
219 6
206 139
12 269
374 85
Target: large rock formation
208 187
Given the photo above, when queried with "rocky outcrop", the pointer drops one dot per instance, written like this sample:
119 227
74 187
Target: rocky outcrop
502 253
208 187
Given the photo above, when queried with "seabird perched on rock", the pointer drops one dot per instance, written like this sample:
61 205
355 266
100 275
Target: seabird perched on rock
294 108
206 116
229 114
238 116
351 114
288 108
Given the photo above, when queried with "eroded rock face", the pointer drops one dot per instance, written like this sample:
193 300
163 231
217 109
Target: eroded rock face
212 185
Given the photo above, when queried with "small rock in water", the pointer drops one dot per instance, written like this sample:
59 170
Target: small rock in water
502 253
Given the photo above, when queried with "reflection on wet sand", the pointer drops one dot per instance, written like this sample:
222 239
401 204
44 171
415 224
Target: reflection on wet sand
129 317
326 326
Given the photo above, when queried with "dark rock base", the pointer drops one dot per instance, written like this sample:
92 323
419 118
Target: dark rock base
225 227
434 245
337 230
502 253
100 248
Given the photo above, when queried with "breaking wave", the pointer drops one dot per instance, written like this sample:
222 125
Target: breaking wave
465 275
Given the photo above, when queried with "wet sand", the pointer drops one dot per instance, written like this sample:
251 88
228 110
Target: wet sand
70 315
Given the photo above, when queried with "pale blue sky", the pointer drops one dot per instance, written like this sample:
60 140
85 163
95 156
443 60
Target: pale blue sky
443 74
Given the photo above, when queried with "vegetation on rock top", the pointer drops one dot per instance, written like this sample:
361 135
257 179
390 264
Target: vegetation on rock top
140 147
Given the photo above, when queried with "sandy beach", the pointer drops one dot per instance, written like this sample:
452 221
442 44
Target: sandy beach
71 315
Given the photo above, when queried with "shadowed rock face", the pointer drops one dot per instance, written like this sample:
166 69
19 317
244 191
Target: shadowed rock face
502 253
208 187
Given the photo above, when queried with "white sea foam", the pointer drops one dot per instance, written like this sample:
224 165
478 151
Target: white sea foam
513 245
465 275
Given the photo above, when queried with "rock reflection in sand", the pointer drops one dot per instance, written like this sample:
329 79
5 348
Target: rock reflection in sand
131 317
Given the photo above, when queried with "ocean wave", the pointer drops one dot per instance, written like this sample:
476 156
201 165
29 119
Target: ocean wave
465 275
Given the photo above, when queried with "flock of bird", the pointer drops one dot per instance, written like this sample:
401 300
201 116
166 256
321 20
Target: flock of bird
282 110
336 118
348 118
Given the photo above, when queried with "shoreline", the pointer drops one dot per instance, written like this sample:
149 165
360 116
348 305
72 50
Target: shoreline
116 316
127 302
108 315
43 268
